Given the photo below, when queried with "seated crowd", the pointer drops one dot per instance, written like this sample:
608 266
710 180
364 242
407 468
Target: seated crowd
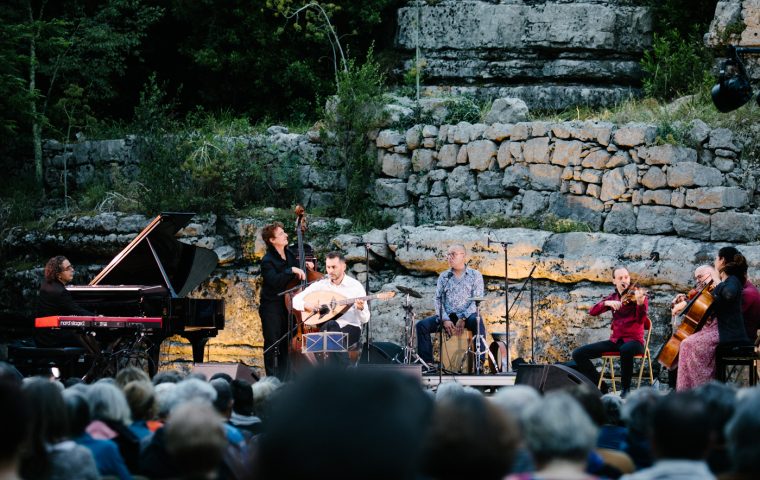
367 424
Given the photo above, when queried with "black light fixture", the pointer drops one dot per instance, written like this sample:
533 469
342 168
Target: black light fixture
733 89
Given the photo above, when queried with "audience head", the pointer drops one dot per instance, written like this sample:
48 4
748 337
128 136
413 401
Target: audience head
15 419
191 389
48 424
108 404
613 406
637 410
78 411
742 433
195 439
130 374
223 402
221 375
720 399
557 428
9 373
262 392
242 397
164 398
515 400
167 376
679 427
589 398
477 431
375 420
141 398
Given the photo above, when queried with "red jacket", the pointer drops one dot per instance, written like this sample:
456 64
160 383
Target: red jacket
751 309
627 322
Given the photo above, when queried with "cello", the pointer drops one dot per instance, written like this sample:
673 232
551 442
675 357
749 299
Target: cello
694 316
311 276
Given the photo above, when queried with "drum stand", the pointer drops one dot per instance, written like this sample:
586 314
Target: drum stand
479 340
409 352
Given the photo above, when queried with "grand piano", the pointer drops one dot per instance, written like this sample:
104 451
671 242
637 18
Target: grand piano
151 277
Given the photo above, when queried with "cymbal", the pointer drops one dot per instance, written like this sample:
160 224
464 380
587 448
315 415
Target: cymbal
408 291
476 299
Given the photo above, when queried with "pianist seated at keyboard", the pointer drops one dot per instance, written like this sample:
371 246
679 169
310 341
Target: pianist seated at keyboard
54 299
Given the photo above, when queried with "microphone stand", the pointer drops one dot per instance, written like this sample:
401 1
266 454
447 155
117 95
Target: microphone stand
505 246
529 278
367 246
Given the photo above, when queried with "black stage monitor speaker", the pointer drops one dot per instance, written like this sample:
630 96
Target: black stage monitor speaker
382 352
237 371
550 377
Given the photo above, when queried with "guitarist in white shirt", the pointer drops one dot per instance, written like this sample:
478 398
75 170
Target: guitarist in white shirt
337 281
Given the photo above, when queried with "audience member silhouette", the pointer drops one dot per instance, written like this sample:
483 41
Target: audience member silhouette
344 425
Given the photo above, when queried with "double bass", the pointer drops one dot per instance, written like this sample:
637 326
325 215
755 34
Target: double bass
311 276
693 318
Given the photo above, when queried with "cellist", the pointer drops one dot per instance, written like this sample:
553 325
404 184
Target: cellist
278 267
696 360
704 276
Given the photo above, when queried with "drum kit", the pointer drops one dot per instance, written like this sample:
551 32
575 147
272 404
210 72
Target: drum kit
465 354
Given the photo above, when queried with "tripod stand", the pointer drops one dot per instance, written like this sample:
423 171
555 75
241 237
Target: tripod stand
409 352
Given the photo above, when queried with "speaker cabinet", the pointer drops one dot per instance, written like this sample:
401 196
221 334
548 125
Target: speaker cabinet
381 353
551 377
237 371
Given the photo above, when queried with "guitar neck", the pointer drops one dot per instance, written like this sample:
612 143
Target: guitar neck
349 301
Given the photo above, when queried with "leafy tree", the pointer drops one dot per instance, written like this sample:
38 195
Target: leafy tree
70 51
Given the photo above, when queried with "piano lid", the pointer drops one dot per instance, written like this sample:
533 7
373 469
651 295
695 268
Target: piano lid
156 257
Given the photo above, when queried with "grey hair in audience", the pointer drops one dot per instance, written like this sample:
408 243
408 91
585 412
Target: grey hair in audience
164 394
637 409
613 406
742 433
191 389
514 400
195 438
167 376
557 427
262 394
107 402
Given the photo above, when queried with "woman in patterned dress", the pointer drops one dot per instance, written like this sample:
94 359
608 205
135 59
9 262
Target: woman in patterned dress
696 360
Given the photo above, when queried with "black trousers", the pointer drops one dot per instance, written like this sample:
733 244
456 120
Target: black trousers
583 356
274 325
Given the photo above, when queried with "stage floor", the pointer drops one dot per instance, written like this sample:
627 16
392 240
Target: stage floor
478 381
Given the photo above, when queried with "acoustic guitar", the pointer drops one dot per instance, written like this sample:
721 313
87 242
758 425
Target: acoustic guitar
330 305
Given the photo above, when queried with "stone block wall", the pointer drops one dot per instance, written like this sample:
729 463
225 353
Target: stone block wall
550 53
615 179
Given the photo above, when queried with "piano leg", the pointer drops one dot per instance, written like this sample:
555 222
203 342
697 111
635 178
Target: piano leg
198 343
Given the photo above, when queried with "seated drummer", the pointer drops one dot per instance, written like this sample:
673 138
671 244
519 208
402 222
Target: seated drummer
54 299
456 286
337 281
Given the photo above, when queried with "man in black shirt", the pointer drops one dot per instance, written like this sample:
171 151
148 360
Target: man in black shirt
54 299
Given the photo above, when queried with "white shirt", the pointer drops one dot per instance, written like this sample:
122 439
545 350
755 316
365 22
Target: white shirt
348 288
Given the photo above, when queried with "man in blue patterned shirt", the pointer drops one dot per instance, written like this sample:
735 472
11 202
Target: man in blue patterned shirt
452 301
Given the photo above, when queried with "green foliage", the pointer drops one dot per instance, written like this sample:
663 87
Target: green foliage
675 65
356 110
465 109
18 201
204 163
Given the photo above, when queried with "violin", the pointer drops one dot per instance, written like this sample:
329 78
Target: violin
629 294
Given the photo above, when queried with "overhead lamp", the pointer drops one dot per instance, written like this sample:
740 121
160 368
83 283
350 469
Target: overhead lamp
733 88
